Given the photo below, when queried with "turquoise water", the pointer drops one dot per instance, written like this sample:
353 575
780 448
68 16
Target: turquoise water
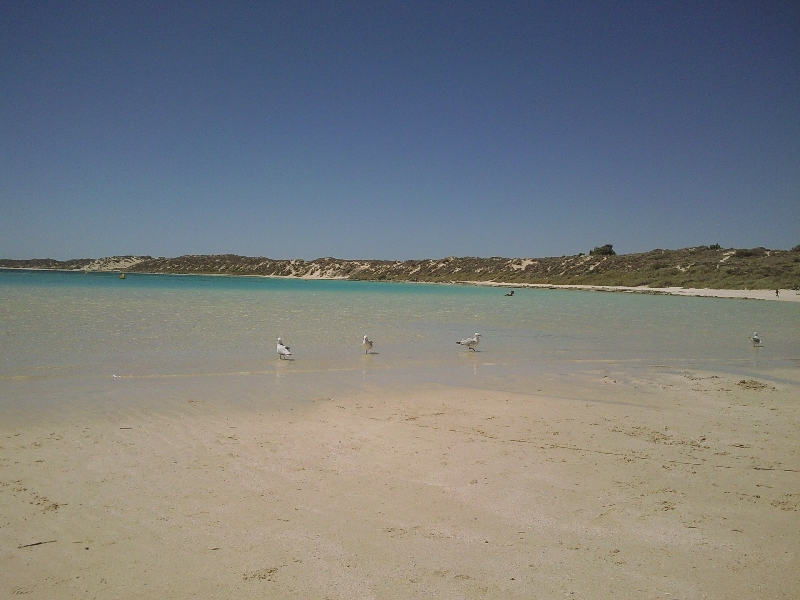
58 325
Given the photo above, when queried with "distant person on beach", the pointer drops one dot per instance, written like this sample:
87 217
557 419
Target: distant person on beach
777 293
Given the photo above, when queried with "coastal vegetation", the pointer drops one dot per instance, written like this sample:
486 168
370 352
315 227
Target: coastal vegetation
607 250
698 267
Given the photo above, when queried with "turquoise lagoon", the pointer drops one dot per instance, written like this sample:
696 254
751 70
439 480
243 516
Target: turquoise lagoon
71 335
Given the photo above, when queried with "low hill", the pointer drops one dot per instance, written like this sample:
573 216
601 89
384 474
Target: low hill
700 267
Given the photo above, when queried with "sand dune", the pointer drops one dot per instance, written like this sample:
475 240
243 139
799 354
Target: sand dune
687 268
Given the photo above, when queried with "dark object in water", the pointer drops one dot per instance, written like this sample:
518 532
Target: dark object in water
511 293
37 544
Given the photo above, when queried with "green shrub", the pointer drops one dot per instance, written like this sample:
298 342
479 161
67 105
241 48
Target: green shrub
607 250
747 252
714 247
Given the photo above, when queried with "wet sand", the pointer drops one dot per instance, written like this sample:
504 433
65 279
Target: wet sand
610 486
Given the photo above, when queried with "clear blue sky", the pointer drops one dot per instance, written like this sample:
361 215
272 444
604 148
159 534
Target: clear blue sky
396 130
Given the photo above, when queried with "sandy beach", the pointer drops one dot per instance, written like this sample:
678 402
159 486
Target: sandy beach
783 295
606 486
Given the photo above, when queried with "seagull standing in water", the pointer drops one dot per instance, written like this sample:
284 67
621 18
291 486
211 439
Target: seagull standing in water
471 342
756 339
367 343
283 351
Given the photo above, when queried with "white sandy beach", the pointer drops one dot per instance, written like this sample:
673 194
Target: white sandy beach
665 486
784 295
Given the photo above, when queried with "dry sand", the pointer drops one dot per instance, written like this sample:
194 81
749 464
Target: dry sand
661 486
784 295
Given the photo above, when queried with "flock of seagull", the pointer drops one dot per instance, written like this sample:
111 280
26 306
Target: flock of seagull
470 343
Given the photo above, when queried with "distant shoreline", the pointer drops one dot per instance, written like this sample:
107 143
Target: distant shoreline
786 295
661 271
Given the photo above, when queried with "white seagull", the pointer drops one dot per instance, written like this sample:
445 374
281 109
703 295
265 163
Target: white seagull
755 338
283 351
367 343
471 342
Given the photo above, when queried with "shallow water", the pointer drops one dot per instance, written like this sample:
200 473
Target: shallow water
60 327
